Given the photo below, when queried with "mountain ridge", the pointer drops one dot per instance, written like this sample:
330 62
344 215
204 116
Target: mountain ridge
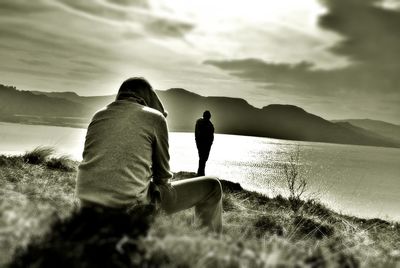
229 115
387 130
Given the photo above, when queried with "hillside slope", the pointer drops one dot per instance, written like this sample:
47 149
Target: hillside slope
387 130
15 102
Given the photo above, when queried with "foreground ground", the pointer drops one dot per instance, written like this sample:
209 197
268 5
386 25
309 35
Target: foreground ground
258 231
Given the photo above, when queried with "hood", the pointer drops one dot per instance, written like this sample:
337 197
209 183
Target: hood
143 95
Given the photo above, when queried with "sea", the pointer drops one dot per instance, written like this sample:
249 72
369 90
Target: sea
363 181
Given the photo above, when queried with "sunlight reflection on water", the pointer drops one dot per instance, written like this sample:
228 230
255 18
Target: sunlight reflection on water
360 180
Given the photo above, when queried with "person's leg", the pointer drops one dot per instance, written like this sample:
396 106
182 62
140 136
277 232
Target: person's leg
202 163
202 166
204 152
205 194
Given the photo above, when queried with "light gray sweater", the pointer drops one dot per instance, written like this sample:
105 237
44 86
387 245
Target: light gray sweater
126 146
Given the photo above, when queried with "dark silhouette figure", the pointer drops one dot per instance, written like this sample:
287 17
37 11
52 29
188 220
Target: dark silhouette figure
204 134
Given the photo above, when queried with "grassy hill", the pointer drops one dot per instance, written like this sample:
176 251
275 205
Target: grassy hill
259 231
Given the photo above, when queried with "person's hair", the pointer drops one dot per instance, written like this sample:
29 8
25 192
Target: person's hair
206 115
132 85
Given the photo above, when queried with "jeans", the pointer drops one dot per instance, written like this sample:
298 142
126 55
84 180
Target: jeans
203 193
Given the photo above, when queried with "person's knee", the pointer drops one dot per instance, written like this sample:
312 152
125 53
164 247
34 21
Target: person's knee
215 186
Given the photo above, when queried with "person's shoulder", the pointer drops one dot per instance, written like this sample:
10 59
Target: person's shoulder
153 114
104 110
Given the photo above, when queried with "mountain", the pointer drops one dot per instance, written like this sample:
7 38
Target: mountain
93 101
384 129
16 102
33 108
236 116
229 115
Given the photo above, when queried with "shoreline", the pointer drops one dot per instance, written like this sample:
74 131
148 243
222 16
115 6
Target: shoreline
85 124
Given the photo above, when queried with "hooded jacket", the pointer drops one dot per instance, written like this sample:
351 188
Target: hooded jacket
126 147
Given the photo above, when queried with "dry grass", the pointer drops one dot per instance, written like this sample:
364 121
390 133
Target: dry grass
38 155
62 163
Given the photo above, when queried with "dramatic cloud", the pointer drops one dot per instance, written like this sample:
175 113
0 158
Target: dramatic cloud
69 44
371 42
371 33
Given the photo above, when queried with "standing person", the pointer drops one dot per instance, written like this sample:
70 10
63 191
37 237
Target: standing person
204 134
126 160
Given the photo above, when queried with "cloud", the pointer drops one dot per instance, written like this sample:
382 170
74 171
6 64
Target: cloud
38 40
8 7
126 12
69 45
40 50
168 28
271 73
95 9
34 62
129 3
371 33
371 41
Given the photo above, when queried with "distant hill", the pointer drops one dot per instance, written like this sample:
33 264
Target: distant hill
229 115
61 109
16 102
95 102
387 130
236 116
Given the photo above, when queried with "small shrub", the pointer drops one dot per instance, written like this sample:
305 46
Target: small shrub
62 163
38 155
295 180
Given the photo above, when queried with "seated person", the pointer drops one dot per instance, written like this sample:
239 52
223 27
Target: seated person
126 160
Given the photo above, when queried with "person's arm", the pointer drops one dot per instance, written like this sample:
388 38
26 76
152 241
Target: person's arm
212 133
197 130
161 169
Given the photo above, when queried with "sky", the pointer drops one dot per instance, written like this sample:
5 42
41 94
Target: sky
335 58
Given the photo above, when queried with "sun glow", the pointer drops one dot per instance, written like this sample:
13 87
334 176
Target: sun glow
253 29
